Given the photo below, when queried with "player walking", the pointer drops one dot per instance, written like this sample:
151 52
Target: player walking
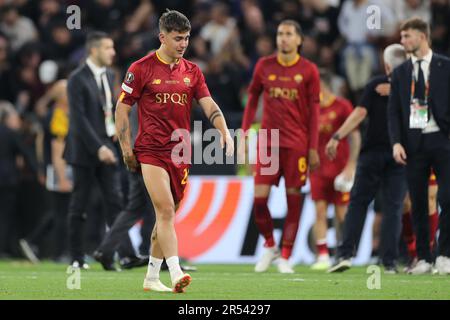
290 86
164 84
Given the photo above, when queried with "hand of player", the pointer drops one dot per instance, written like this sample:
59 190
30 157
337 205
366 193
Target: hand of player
106 155
313 159
65 185
383 89
331 149
229 142
348 173
130 162
399 153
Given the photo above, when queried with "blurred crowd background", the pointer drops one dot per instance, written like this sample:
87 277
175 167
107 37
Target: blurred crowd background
227 38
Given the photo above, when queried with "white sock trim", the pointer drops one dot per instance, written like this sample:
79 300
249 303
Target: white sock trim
174 267
154 266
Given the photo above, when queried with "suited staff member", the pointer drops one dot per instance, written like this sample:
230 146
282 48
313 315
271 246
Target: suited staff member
139 206
376 168
419 126
90 146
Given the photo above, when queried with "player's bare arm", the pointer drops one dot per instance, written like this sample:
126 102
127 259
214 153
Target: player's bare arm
215 116
353 121
355 146
55 93
124 135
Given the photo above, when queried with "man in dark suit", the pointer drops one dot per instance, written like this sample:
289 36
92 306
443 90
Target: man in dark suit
419 127
11 145
90 142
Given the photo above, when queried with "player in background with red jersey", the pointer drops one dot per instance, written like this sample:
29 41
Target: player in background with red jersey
290 86
163 85
333 113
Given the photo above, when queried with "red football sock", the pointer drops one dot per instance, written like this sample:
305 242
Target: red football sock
294 202
434 222
321 246
263 220
408 234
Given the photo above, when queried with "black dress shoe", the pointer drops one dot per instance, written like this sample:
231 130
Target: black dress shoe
133 262
106 261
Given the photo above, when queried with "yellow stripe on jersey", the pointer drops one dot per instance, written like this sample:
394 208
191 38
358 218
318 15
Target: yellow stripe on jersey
122 95
164 61
290 63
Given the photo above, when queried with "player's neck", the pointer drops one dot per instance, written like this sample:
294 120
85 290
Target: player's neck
288 59
165 58
422 52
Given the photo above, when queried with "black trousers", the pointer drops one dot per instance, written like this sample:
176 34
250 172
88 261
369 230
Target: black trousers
433 152
84 178
8 210
376 169
54 222
139 207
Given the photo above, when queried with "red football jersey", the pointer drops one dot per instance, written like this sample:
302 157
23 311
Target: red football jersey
164 98
331 119
290 100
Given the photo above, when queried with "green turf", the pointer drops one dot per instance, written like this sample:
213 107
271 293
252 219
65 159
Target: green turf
21 280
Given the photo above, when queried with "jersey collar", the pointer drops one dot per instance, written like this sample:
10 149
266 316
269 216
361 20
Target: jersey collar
291 63
164 61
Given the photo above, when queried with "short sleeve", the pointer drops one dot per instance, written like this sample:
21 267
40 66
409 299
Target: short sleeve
366 97
132 85
348 108
201 89
256 85
59 123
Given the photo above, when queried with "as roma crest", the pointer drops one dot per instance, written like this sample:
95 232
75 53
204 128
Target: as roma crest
298 78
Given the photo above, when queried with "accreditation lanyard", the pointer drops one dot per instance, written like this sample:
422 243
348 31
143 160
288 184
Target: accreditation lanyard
418 117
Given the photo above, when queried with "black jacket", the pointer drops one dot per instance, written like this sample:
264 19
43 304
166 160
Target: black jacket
11 145
399 101
87 131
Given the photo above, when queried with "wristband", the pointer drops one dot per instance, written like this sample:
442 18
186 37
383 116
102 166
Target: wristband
336 137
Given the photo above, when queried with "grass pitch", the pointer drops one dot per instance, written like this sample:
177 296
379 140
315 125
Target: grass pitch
21 280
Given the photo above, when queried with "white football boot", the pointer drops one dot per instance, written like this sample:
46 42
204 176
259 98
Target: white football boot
323 263
284 266
422 267
155 285
270 254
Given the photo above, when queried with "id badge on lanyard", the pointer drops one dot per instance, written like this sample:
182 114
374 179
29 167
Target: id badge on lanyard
418 116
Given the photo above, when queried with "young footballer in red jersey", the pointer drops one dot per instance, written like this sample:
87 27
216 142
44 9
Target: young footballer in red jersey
163 85
333 113
290 86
